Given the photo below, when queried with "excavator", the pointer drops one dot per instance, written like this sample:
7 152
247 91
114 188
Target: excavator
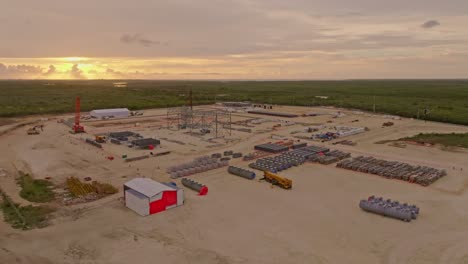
35 130
274 179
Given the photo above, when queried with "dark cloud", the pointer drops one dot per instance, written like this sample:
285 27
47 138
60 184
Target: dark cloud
430 24
51 70
19 71
76 73
139 39
113 72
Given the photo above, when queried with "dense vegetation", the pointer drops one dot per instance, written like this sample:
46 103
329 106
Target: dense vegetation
446 99
24 217
452 139
33 190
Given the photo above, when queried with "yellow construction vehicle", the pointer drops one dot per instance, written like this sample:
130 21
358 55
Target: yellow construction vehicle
35 130
274 179
101 139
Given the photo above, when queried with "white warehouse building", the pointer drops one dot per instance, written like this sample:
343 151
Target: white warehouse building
110 113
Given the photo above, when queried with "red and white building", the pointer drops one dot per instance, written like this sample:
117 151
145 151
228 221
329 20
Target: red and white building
146 196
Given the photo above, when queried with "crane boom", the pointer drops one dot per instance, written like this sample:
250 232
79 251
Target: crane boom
77 128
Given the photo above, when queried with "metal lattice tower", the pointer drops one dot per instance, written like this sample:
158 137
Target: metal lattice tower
218 122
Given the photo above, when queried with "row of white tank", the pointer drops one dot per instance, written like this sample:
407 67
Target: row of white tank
387 207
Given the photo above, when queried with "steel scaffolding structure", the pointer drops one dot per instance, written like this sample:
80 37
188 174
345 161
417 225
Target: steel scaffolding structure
217 122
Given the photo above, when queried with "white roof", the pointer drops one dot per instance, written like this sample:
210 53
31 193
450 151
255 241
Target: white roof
113 110
147 186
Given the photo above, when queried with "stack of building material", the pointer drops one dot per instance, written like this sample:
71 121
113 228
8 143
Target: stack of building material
278 163
237 155
198 165
272 148
136 158
343 131
263 112
299 145
390 208
323 159
393 169
94 143
216 155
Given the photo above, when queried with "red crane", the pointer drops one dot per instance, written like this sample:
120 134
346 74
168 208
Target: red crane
77 128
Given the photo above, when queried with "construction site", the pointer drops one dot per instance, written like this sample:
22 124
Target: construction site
244 182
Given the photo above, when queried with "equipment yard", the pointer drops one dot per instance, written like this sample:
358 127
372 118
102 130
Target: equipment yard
305 210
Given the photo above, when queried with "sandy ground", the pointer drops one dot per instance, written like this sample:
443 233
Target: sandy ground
239 221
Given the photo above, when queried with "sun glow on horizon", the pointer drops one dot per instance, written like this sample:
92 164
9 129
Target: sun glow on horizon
75 59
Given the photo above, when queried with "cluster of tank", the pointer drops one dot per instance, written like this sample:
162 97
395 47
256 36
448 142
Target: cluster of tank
277 163
393 169
200 164
250 175
387 207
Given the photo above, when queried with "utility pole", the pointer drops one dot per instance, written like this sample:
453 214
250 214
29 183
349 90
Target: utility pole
191 99
216 125
374 103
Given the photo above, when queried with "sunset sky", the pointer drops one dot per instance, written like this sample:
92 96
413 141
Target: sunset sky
236 39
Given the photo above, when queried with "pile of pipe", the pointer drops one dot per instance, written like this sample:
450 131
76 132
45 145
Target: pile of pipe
329 157
250 175
137 158
393 170
272 148
299 145
278 163
196 186
94 143
115 141
344 131
309 151
237 155
200 164
394 209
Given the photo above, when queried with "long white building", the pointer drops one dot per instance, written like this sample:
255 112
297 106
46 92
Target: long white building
110 113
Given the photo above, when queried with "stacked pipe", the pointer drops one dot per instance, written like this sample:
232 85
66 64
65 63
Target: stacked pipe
250 175
216 155
393 170
198 187
200 164
94 143
237 155
299 145
272 148
137 158
115 141
387 207
309 151
277 163
329 157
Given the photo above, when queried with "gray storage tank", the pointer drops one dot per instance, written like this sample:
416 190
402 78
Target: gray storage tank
241 172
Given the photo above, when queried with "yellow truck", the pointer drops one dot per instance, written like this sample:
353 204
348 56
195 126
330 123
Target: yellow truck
274 179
